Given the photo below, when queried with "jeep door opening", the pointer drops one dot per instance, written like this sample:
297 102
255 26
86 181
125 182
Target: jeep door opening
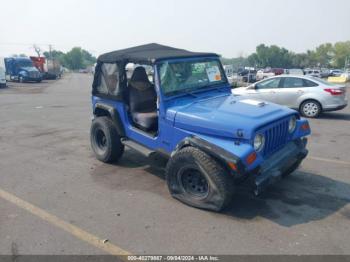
179 104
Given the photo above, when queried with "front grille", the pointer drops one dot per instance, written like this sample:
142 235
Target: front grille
33 74
275 136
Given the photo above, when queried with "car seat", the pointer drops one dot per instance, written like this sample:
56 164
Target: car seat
143 101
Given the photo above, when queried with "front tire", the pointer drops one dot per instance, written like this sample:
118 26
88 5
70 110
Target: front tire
310 108
198 180
105 140
290 170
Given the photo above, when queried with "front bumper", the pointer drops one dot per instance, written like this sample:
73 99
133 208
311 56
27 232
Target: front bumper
31 79
278 164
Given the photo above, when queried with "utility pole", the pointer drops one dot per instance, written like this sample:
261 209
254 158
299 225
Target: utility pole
50 51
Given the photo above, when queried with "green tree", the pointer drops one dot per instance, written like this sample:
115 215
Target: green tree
89 59
57 55
299 60
272 56
74 58
341 53
253 60
323 54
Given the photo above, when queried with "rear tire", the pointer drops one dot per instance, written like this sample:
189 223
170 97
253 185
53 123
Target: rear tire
198 180
310 108
105 140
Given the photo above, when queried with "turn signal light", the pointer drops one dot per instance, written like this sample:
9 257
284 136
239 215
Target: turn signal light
305 126
233 166
251 158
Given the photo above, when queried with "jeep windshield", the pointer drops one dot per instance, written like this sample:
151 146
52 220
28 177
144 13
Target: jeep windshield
190 76
24 63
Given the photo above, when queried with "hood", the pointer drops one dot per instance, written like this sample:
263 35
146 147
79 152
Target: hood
226 115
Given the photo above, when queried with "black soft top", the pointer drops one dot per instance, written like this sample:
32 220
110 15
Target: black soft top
148 53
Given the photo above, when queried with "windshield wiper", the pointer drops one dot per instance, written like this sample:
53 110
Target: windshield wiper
209 87
190 93
218 86
184 92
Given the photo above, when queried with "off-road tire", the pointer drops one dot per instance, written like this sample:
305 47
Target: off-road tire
105 140
290 170
219 183
314 111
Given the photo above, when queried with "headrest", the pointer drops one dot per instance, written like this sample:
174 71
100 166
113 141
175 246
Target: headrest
139 79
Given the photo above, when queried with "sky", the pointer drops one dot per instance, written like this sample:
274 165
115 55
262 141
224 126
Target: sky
228 27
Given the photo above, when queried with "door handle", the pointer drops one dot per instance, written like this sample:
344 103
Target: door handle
272 92
300 91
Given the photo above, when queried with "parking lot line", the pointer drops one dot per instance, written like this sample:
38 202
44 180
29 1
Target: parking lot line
329 160
71 229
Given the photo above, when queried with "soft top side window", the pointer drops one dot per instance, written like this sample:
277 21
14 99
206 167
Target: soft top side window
109 79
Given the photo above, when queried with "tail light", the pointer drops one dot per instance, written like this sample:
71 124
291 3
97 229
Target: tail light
334 91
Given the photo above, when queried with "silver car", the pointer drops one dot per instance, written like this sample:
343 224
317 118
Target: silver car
310 95
313 72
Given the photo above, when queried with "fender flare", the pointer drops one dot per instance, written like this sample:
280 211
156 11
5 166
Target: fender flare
214 151
114 116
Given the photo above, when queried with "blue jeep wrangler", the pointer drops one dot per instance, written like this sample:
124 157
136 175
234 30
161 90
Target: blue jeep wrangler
178 104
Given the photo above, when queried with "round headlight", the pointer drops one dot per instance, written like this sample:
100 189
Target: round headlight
292 124
259 141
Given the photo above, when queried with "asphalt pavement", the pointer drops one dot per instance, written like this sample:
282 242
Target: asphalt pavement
56 198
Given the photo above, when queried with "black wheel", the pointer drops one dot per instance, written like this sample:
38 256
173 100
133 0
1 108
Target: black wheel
310 108
105 140
198 180
290 170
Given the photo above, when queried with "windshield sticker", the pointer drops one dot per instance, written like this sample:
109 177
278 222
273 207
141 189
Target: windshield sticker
214 74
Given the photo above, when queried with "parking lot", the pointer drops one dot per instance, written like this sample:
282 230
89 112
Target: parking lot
56 198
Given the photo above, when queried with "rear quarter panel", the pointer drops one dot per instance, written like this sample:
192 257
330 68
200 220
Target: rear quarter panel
312 93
